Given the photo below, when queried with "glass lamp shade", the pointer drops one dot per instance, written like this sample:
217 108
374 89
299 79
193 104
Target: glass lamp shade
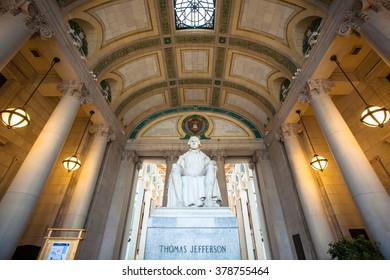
375 116
15 118
319 163
71 163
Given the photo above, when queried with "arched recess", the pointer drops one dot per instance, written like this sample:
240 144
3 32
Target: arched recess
244 122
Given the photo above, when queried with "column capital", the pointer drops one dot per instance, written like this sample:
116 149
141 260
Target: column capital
129 155
76 89
290 129
355 18
35 21
219 155
260 155
102 130
171 155
314 89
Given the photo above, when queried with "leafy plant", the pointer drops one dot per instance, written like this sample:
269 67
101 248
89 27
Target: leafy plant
356 248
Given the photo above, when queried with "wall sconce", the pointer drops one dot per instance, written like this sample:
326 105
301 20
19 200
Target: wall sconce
373 116
73 163
318 163
18 117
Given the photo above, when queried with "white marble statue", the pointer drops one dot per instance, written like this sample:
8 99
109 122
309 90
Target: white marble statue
193 180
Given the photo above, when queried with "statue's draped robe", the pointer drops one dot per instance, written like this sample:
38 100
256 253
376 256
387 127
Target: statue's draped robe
193 167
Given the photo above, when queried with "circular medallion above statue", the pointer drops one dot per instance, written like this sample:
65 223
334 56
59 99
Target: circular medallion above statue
195 125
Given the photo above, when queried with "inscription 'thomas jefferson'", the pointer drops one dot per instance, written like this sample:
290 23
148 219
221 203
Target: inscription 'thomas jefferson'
194 249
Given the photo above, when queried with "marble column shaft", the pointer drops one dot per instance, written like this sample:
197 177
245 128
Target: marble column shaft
276 224
170 158
21 197
114 231
219 156
316 218
364 185
77 211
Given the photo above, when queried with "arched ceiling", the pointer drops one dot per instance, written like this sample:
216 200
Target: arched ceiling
152 68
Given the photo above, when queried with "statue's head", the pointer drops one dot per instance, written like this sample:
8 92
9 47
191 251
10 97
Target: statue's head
194 142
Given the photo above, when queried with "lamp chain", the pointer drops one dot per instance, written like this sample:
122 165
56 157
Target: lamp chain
85 129
300 117
334 58
54 61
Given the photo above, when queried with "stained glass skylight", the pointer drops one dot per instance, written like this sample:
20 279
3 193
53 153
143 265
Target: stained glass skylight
194 14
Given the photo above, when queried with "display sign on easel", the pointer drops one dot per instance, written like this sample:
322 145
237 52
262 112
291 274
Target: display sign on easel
62 246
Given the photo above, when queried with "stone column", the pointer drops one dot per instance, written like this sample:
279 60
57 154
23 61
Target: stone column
132 225
170 158
308 191
219 156
371 20
77 211
114 231
364 185
21 197
276 231
18 21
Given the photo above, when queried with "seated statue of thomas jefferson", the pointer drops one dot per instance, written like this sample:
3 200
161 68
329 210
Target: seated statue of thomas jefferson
193 179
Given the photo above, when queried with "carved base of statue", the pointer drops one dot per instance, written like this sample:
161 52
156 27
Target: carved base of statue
192 234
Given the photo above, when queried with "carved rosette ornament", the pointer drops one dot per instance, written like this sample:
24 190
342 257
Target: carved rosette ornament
76 89
355 18
35 21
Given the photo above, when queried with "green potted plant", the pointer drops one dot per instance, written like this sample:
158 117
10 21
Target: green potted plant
354 248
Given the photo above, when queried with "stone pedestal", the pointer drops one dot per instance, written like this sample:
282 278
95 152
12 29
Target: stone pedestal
192 234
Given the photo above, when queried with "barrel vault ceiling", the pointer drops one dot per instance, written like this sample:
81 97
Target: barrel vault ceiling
233 72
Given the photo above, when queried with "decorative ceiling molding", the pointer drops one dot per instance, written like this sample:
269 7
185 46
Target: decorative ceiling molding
166 29
224 19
